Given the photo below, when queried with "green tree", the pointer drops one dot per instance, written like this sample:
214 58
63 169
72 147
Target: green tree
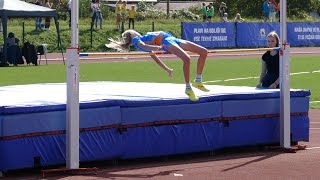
254 8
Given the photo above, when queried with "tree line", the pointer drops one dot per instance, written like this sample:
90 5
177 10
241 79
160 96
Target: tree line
248 8
254 8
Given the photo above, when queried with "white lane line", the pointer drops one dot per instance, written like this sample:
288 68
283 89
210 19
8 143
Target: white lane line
314 128
212 81
314 122
310 148
176 174
244 78
311 102
299 73
235 79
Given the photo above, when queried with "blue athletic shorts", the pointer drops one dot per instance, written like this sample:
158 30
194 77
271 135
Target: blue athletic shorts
168 41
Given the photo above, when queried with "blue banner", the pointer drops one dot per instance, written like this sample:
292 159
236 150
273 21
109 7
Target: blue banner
254 34
210 35
303 34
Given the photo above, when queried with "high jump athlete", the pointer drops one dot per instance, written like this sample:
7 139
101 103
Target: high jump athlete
161 40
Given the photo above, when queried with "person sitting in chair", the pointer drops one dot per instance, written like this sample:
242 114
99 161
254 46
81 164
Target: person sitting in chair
14 53
12 40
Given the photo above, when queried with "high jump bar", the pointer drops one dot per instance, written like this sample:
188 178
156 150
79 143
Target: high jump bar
163 52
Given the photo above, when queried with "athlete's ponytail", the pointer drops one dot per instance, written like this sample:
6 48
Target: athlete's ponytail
122 44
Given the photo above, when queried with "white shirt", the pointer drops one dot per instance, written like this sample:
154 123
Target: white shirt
70 4
94 7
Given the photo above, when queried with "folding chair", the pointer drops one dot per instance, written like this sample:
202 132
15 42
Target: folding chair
42 50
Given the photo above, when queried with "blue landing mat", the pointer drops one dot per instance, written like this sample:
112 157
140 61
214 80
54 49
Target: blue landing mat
120 120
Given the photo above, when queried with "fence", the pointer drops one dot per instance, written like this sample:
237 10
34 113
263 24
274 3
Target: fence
250 34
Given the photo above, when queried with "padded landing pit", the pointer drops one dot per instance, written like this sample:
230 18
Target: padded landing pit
122 120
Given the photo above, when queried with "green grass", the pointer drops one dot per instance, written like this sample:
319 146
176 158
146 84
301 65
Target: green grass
99 37
148 71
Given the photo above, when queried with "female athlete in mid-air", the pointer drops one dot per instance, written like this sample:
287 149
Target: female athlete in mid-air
161 40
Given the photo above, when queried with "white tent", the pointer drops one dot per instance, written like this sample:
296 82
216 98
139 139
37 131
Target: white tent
17 8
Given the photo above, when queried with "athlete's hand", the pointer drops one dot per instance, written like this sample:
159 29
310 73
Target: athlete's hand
170 72
273 86
259 85
159 48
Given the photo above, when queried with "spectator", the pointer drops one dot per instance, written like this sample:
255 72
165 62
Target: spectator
99 14
161 40
238 18
269 77
210 12
12 40
124 11
47 19
132 15
222 10
266 10
13 52
225 17
118 14
93 8
272 11
38 19
278 9
204 11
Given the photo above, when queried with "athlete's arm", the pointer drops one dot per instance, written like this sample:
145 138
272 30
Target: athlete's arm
142 45
162 65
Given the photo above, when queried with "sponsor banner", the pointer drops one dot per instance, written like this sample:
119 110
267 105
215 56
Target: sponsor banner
255 34
303 34
210 35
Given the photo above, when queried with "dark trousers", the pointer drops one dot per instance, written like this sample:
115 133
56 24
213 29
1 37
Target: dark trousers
269 79
47 22
14 55
131 20
93 18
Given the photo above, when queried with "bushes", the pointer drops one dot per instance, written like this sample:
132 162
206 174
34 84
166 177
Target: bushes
84 9
253 8
148 11
247 8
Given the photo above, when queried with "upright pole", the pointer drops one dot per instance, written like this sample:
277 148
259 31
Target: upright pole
22 33
284 79
72 116
91 29
122 26
168 8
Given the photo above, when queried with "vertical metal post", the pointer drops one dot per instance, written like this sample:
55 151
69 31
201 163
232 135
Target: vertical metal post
91 29
168 8
22 33
284 79
72 116
152 26
122 26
